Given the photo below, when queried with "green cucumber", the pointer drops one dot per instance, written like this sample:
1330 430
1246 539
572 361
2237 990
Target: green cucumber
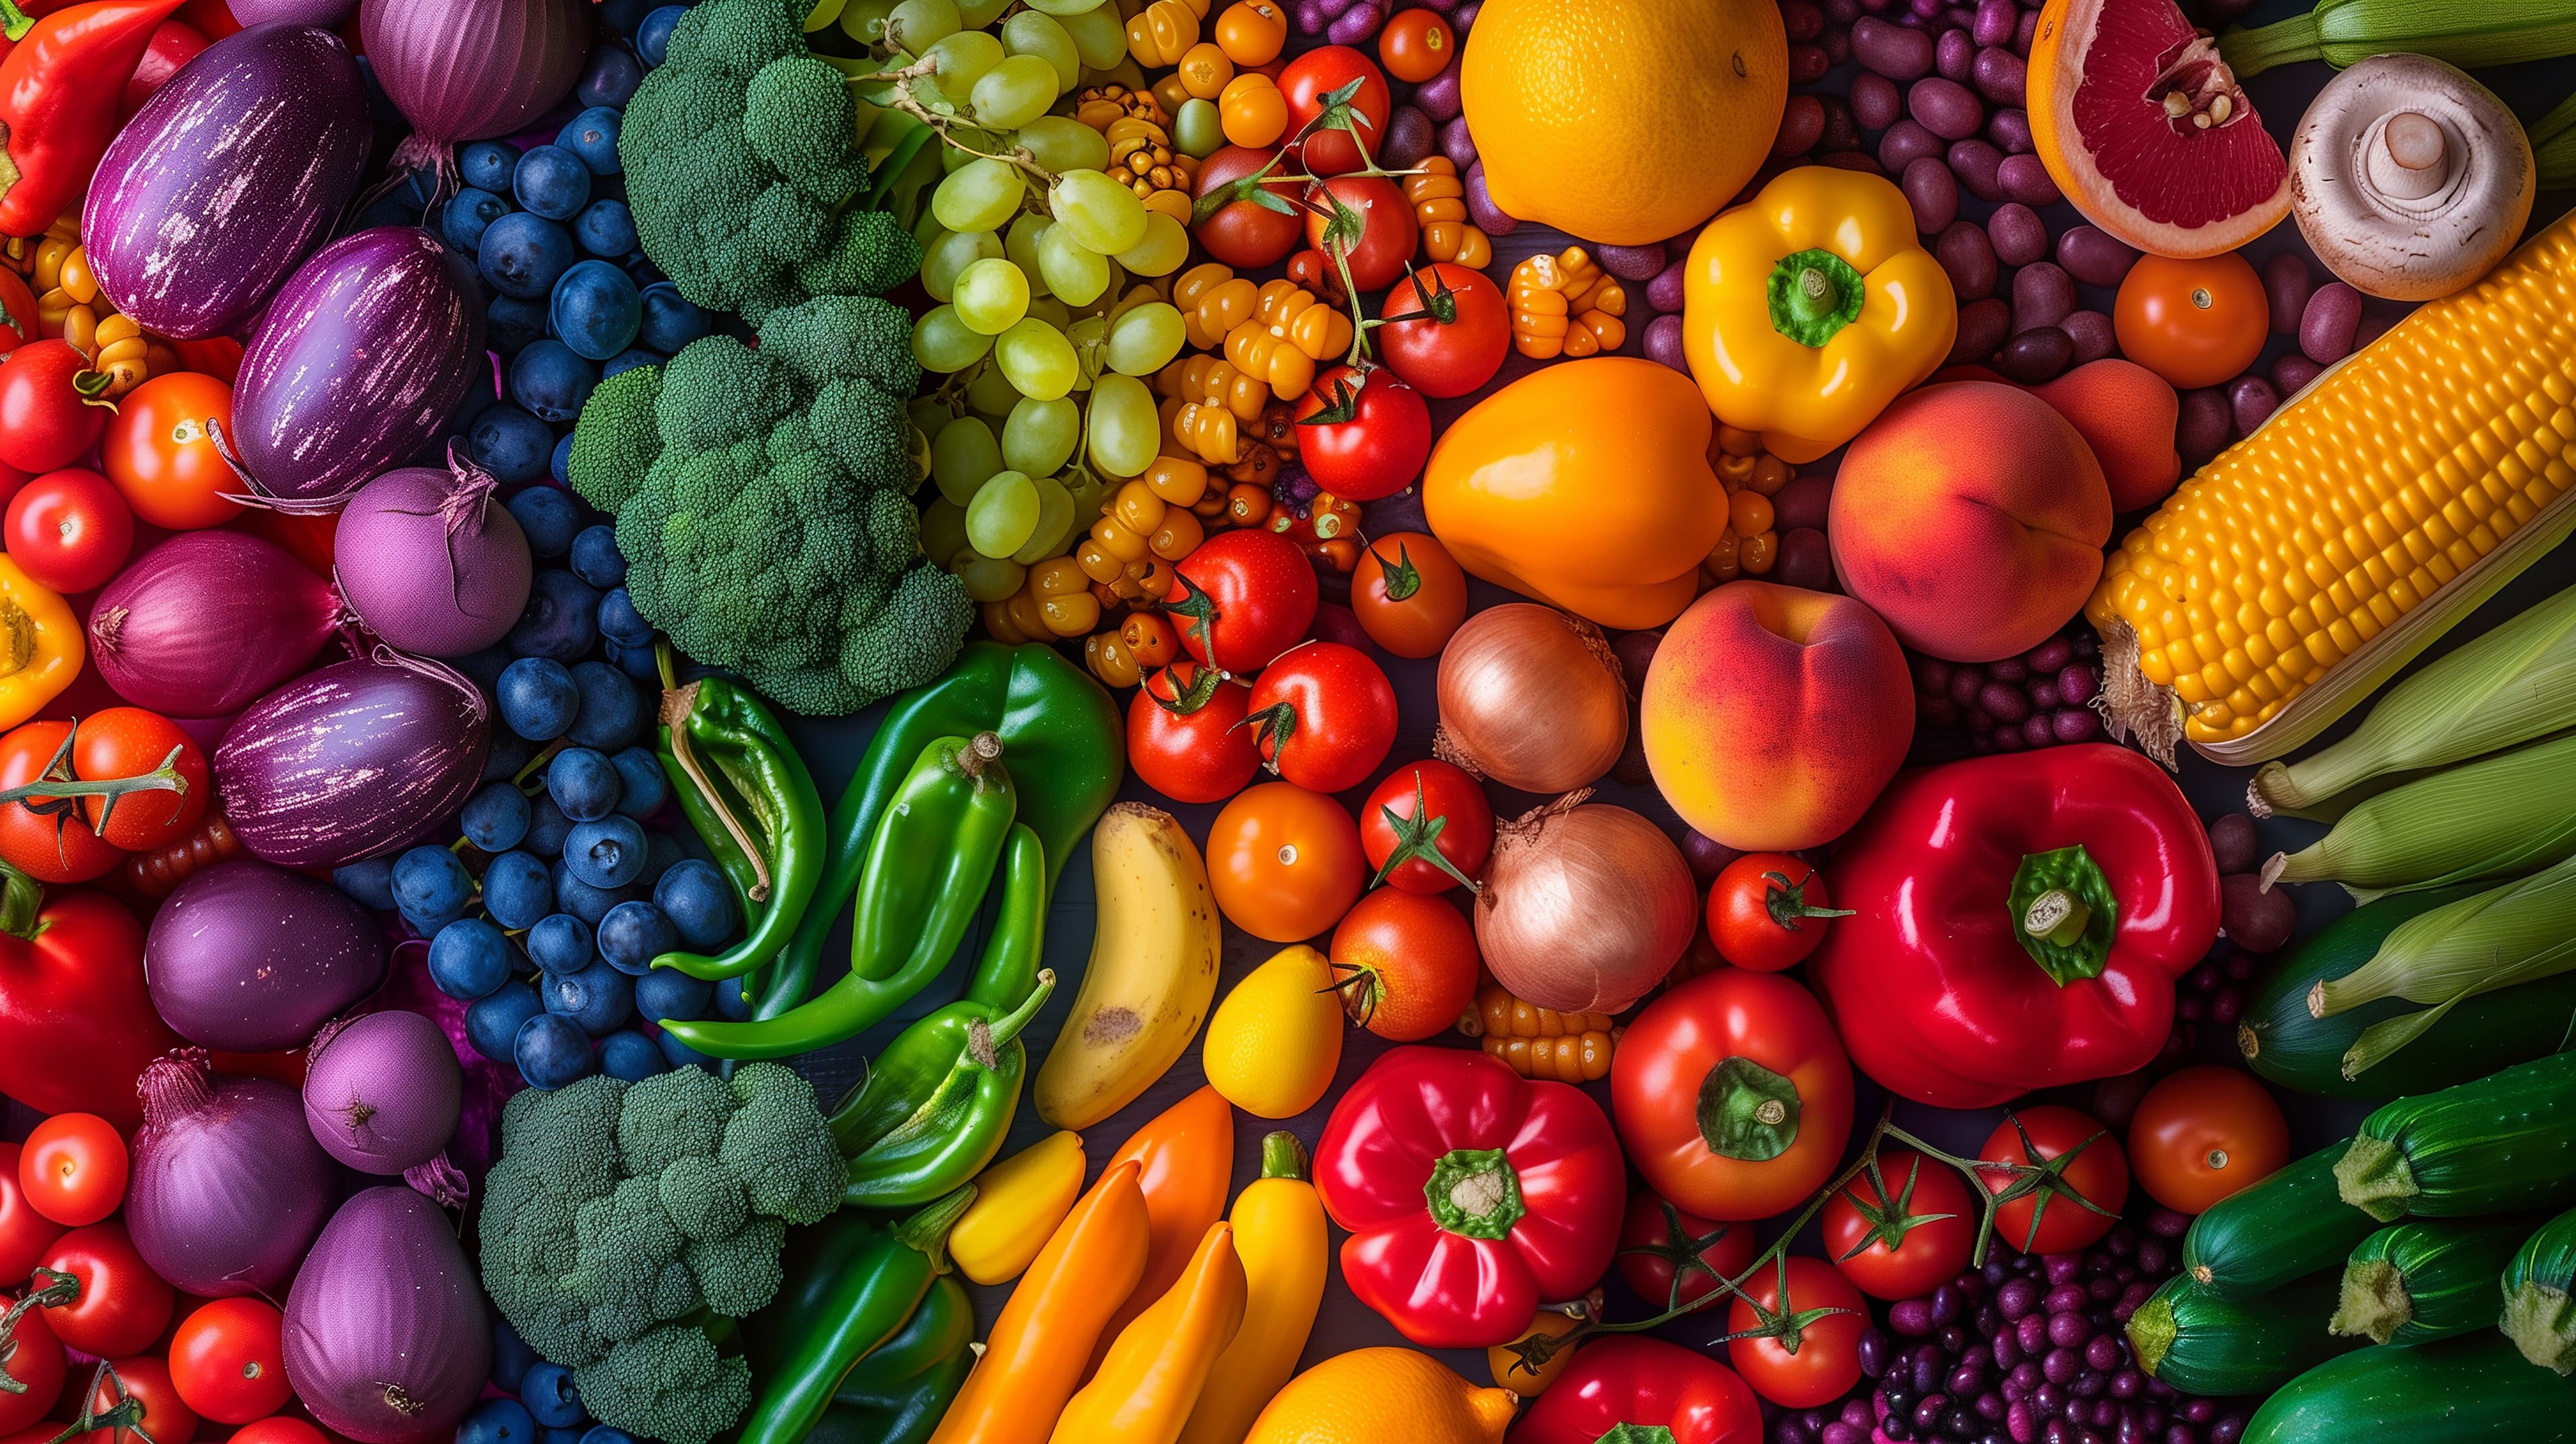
2539 1315
2427 1279
2284 1043
2289 1225
2505 1142
2475 1389
2203 1344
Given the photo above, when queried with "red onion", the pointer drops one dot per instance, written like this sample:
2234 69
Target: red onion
352 760
1585 906
248 957
382 1091
228 1187
208 620
431 561
471 69
387 1340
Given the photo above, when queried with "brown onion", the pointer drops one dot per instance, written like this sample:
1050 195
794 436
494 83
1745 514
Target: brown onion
1531 698
1585 906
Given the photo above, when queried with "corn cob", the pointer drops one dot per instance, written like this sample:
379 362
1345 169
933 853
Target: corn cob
1540 1042
2398 471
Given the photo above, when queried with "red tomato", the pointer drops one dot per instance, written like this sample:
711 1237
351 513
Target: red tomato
173 45
1416 45
24 1233
139 1395
1406 964
1768 910
1242 598
160 451
2204 1133
33 1357
1284 862
19 305
47 838
1323 716
1660 1245
228 1362
48 419
124 742
69 530
276 1429
1247 232
1184 736
1408 593
1310 83
1449 329
1908 1237
1361 435
1827 1361
123 1305
1369 220
73 1168
1450 842
2047 1217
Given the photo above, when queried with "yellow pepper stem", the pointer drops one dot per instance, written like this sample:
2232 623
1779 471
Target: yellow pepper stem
1813 295
20 637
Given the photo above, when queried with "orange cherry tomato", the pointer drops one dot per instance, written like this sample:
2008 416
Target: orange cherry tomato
1826 1362
1409 593
2194 323
1416 45
1702 1086
1285 863
160 451
2204 1133
1252 32
1251 110
73 1168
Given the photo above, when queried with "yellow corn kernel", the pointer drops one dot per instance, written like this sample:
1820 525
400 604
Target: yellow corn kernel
1540 1042
1439 201
1214 381
1566 305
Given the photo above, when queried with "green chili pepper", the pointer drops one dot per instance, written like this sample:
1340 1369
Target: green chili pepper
937 1103
933 855
899 1392
1008 970
728 758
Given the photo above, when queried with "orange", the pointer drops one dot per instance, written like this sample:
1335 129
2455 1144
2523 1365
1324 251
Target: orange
1369 1395
1623 121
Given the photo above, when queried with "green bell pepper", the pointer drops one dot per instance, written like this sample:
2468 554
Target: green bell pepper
728 758
936 1104
900 1392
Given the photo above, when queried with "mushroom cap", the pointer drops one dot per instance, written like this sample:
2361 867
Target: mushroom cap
2409 179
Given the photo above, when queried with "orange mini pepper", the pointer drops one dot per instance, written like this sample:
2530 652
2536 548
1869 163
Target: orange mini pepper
1151 1379
1185 1162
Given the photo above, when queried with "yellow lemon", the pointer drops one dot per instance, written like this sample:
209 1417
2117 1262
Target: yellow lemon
1362 1397
1273 1045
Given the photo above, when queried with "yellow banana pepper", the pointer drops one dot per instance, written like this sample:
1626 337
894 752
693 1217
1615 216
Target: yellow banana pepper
1018 1203
1151 1379
1808 310
41 650
1279 1235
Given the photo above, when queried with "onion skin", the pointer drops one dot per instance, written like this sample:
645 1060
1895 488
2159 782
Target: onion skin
387 1339
471 69
382 1091
431 561
1585 907
204 623
228 1187
251 958
1532 698
352 760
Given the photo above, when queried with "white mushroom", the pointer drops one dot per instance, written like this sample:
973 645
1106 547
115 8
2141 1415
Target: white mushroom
2409 179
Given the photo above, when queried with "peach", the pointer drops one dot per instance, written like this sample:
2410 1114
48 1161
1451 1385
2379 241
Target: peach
1773 715
1972 517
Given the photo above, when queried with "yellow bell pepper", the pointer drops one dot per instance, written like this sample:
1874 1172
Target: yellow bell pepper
1018 1203
1279 1235
41 649
1151 1378
1805 312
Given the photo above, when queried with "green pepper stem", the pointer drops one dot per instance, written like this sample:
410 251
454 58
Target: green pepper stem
21 897
977 757
679 704
927 1231
986 1040
1282 1156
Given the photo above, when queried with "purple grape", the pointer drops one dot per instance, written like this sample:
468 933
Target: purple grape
2251 402
1995 22
1893 51
2330 322
2018 1298
2042 295
2095 337
2103 1353
1664 342
2018 234
2291 373
1911 1317
2039 354
2010 129
1983 326
1410 139
1460 146
1438 96
1805 502
1875 1349
2038 731
1489 218
1969 259
1355 24
1310 17
1665 291
2286 287
1979 167
1875 100
1932 193
2255 919
1954 55
2205 428
1906 142
2025 178
1945 107
2032 1334
2008 669
2077 684
1463 19
1998 75
1631 263
2093 257
1802 124
1806 560
2026 32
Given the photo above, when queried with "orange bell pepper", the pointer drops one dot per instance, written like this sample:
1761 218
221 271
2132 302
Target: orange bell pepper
1185 1163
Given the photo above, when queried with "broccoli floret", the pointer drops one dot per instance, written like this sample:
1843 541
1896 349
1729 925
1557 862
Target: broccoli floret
669 1384
836 336
704 1200
916 636
740 1272
779 1145
866 431
870 254
718 391
797 116
620 438
627 1241
672 1116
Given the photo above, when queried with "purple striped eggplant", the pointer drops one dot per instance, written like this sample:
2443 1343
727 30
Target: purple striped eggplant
229 175
361 359
352 759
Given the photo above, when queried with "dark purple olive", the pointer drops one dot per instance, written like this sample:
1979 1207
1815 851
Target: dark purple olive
2025 178
2227 1430
1876 102
1357 24
2115 1100
1665 291
2102 1354
2008 669
2095 337
2064 1300
2010 129
1965 684
1808 64
1842 128
2026 32
1310 17
2093 257
1636 653
1995 21
1802 124
1998 75
2199 1411
1970 261
1899 53
2232 844
1979 167
1932 193
2077 684
1931 1411
1946 108
1804 502
2251 402
1805 560
2205 426
2018 234
1438 96
1460 146
1839 1432
2037 731
1875 1347
2039 354
2018 1298
1633 263
2291 373
2042 295
1911 1317
1664 342
1906 142
1805 20
1954 56
2286 287
1983 326
2255 920
1707 856
2330 322
1859 160
1411 137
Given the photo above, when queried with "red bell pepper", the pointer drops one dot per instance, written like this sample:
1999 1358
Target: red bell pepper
1472 1194
76 1023
1647 1385
2020 922
59 90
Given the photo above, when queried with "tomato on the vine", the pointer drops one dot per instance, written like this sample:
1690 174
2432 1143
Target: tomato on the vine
1768 910
2194 323
49 839
1406 964
1448 329
1661 1243
50 411
1906 1233
1261 223
1409 593
1184 734
153 1409
1363 435
1427 827
160 451
73 1168
1310 82
1323 716
2081 1164
34 1357
228 1361
1828 1316
129 742
69 529
122 1305
1368 218
1242 598
1703 1086
2204 1133
1284 862
1416 45
25 1234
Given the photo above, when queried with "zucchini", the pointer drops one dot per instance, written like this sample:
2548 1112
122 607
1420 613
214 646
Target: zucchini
2505 1142
2475 1389
2285 1227
2284 1043
2427 1279
2538 1313
2203 1344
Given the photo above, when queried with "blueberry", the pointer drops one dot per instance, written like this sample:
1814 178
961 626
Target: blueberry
635 662
590 904
606 228
469 959
584 784
370 880
662 851
598 997
670 993
549 516
671 320
559 461
552 380
596 310
547 828
603 1433
559 1436
552 182
629 1055
633 934
510 752
733 999
468 214
622 16
511 1357
612 75
653 33
537 698
607 853
680 1054
482 668
551 1051
642 271
641 786
613 711
509 443
523 253
495 817
497 1421
516 891
562 619
428 923
510 326
479 397
591 137
699 902
429 880
486 165
492 1024
560 943
620 622
627 360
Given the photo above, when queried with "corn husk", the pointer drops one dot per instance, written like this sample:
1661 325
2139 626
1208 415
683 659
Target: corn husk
2498 817
2517 933
2553 146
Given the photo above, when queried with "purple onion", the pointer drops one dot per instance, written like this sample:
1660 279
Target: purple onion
386 1335
227 1188
352 760
431 561
208 620
382 1091
464 70
251 958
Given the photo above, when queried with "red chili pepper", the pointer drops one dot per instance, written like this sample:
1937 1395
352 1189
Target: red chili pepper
76 1023
1649 1386
59 90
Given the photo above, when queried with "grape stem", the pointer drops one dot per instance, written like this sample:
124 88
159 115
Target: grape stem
944 126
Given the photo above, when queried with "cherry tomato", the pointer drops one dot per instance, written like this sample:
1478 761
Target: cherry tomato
2194 323
1309 80
1416 45
1658 1243
2204 1133
275 1429
33 1357
1184 734
1406 964
1827 1361
1448 329
1246 233
160 451
49 416
1252 32
2049 1219
1908 1237
1363 435
123 1305
228 1361
1768 910
24 1233
1323 716
124 742
18 305
142 1397
1370 220
49 839
1242 598
1285 862
73 1168
1450 843
1702 1086
1409 593
69 530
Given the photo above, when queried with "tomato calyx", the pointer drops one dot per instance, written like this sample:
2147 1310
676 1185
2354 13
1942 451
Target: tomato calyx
1890 1218
1636 1434
1417 839
51 1288
2041 1179
1341 404
1401 578
1202 611
1187 698
1786 1324
1272 726
1254 188
1747 1112
124 1416
1786 901
1475 1193
1439 304
1679 1248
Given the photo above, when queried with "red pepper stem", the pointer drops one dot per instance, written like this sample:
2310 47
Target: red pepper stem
21 896
1475 1193
14 22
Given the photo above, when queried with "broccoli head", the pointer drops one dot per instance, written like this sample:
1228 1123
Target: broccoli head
669 1383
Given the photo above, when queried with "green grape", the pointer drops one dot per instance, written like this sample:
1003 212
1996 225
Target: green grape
1063 8
977 14
942 343
929 413
1145 339
1051 311
1055 523
822 15
864 20
962 454
1124 429
953 252
1038 360
1020 244
991 395
1099 37
992 295
1165 246
943 528
964 58
1075 273
978 196
1003 515
1015 92
1090 338
988 579
1062 143
1198 130
1040 435
1095 210
1031 33
1090 496
919 24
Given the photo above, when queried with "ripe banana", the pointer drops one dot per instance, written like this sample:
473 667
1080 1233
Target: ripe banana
1152 972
